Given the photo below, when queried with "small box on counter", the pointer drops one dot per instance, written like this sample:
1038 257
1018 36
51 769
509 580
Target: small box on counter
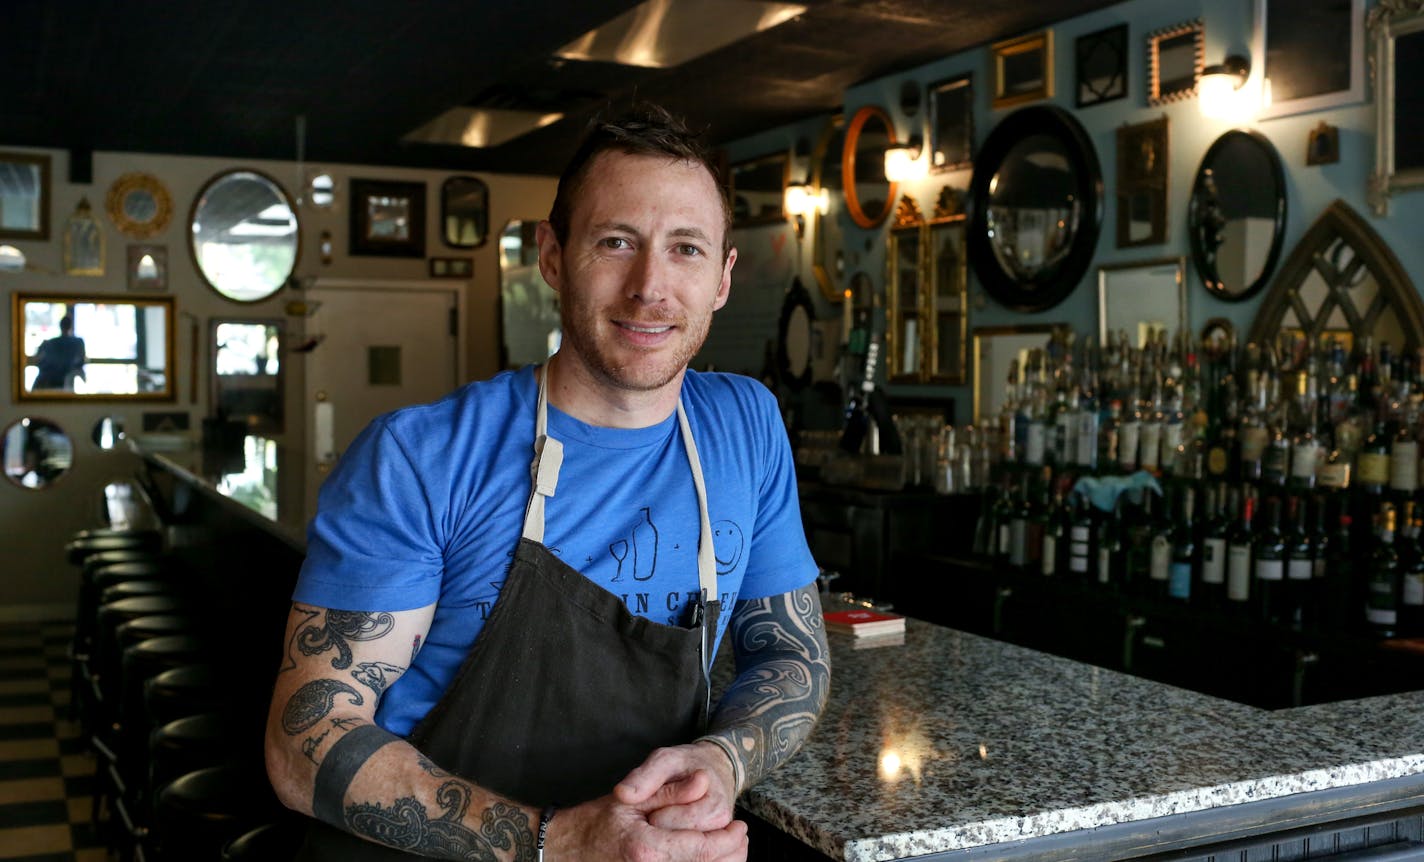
863 622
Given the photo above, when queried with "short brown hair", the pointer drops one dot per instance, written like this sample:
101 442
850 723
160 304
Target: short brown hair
648 130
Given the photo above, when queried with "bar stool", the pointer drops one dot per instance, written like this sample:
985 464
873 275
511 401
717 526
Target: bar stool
96 716
271 842
191 743
195 816
87 542
109 662
135 588
186 690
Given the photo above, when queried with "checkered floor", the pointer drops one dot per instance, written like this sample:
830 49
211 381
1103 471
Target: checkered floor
46 775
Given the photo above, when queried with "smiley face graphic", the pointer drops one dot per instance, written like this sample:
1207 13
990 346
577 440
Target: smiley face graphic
728 542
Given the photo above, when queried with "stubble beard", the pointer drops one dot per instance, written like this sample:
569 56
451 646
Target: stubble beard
623 366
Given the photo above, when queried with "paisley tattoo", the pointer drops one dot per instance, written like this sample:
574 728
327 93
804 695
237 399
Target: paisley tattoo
376 675
309 614
312 702
309 745
407 825
783 678
340 627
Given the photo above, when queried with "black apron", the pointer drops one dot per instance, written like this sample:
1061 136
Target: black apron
564 690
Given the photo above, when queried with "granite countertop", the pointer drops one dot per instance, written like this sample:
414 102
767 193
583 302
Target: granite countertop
952 741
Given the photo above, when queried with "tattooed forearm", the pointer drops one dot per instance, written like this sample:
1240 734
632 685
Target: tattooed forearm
313 702
376 675
407 825
311 743
291 657
340 627
783 677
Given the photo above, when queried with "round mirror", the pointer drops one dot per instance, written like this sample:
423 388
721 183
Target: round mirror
139 205
869 196
793 342
108 431
1037 208
1236 217
244 235
36 452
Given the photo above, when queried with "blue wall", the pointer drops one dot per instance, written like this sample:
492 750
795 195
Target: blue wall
767 264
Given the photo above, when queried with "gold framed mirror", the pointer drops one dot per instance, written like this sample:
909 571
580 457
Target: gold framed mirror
139 205
24 196
927 278
92 347
1175 58
1000 351
869 196
907 275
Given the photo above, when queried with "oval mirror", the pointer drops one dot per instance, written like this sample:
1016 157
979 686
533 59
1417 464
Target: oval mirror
464 212
108 431
793 342
244 235
1236 217
36 452
868 195
1037 208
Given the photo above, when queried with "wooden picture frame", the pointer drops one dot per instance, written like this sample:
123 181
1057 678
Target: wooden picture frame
26 192
1313 54
757 189
1322 145
1100 66
144 323
1022 69
1143 162
952 123
1175 58
387 218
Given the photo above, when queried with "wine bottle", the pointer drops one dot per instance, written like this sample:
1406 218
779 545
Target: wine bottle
1111 557
1269 551
1211 591
1184 548
1411 598
1383 588
1159 569
1239 569
1300 566
1080 539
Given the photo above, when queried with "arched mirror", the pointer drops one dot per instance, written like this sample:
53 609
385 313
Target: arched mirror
108 432
36 452
1037 195
529 309
464 212
1342 281
244 235
793 339
1236 217
869 196
827 255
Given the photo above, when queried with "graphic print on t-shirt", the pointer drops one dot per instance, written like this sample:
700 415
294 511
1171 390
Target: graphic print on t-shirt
641 547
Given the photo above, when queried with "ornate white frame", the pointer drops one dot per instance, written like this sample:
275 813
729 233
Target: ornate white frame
1387 22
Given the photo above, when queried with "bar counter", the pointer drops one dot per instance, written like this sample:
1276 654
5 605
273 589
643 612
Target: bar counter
961 747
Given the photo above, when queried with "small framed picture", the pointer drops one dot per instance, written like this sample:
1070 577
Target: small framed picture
387 218
83 242
952 124
1023 69
452 267
1322 146
1175 57
148 267
1101 66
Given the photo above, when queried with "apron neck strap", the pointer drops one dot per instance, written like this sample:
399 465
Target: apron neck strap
544 476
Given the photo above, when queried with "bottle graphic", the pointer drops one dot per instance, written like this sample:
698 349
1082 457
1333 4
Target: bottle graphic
645 547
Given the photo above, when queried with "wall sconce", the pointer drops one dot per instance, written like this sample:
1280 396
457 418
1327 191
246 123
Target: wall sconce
801 201
904 162
1221 92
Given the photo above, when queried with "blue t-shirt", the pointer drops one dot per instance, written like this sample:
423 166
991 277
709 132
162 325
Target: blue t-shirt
428 504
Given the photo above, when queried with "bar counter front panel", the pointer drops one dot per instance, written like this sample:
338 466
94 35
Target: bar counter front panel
954 745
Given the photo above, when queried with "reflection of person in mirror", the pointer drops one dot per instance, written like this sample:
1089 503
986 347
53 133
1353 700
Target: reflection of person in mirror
60 359
467 651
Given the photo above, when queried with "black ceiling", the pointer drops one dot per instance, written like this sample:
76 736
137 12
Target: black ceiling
229 78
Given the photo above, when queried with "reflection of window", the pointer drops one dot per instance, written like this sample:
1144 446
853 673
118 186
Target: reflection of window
246 348
124 349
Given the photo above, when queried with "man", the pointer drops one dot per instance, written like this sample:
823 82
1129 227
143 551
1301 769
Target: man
60 359
557 706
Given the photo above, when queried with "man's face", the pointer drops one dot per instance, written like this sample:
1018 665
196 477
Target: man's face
642 269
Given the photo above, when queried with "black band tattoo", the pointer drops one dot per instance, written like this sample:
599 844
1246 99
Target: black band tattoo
784 674
407 825
313 702
376 675
340 627
339 767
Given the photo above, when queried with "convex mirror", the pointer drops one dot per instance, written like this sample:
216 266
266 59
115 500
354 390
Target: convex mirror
244 235
1236 217
36 452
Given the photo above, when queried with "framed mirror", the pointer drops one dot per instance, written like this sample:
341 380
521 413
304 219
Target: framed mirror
1142 183
387 218
108 431
794 337
464 212
1396 33
1175 57
244 235
905 330
247 375
1314 52
1142 298
36 452
1236 217
139 205
24 196
1037 208
827 244
997 349
1101 66
1023 69
869 196
92 347
528 308
83 242
1342 278
1218 336
952 124
948 295
757 189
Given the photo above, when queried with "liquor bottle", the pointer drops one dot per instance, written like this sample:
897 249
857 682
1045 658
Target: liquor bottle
1239 569
1018 528
1404 453
1136 577
1053 526
1089 404
1004 510
1184 550
1372 464
1159 566
1337 603
985 530
1269 551
1150 436
1080 539
1111 556
1382 596
1109 437
1035 520
1253 432
1300 566
1211 591
1411 598
1322 549
1305 447
1129 434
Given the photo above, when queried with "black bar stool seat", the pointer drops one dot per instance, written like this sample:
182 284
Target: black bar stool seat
271 842
134 589
107 662
89 542
186 690
191 743
198 814
109 558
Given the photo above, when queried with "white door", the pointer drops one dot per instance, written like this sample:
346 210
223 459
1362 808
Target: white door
379 346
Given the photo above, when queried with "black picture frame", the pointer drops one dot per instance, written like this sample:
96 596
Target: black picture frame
952 123
387 218
1100 66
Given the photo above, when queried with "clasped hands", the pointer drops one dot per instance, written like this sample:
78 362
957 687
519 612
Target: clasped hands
675 806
